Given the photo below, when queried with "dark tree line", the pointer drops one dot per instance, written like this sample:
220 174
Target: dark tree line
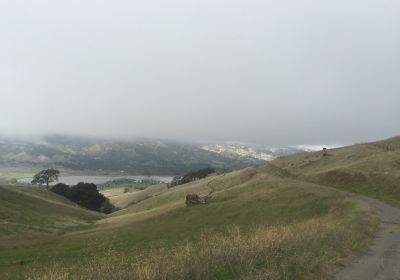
85 195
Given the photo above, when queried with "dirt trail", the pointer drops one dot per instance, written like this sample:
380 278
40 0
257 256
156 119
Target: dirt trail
382 260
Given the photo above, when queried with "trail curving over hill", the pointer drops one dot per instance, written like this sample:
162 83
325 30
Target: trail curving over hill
382 260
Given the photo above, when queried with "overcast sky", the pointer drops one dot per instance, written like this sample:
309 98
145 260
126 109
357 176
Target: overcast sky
270 72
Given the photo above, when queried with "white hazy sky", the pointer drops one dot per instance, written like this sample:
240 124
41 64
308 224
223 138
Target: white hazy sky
272 72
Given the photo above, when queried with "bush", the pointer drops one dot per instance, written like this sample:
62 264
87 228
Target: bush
61 189
107 207
86 195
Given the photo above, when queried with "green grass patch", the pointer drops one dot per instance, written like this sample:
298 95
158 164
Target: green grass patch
121 186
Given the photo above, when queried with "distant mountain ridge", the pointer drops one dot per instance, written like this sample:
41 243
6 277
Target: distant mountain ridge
142 156
135 157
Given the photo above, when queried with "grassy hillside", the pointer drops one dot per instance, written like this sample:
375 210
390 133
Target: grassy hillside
124 200
26 210
257 225
279 221
372 169
30 216
121 186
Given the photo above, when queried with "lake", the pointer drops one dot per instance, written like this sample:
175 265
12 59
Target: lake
73 180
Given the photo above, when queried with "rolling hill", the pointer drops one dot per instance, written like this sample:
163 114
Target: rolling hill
372 169
284 220
28 211
257 224
29 216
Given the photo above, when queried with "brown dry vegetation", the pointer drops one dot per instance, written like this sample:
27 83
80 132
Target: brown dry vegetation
290 244
372 169
124 200
280 252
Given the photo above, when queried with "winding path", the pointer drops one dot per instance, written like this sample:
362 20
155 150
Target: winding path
382 260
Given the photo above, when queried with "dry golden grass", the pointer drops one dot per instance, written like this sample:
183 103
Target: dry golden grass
129 218
371 169
158 199
262 223
160 195
113 192
124 200
262 253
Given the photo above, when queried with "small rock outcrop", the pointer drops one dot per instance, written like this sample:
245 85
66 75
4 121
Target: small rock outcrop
192 199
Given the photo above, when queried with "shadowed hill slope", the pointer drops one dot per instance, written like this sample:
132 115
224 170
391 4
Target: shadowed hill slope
27 211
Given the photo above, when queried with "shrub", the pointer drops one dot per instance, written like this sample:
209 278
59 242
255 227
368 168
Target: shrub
107 207
61 189
86 195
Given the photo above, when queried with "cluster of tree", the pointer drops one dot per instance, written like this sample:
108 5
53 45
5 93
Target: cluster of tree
86 195
83 194
191 176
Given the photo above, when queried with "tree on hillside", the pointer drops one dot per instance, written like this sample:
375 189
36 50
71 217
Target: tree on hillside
45 177
61 189
87 195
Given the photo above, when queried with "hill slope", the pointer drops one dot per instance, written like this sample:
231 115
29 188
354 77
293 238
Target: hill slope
279 221
27 211
256 224
372 169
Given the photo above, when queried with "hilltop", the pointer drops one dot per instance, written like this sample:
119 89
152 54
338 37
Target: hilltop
372 169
